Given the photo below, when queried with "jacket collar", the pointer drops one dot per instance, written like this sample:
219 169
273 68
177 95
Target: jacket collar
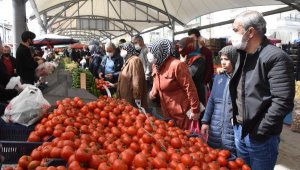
242 54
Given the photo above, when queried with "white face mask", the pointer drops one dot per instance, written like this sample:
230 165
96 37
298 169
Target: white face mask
238 41
151 58
137 47
123 53
109 54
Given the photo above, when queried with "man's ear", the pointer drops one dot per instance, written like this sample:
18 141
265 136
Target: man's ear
251 32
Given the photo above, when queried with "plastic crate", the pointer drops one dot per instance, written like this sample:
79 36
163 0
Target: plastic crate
56 162
13 150
152 112
14 131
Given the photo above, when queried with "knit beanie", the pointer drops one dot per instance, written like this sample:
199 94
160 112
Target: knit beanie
230 52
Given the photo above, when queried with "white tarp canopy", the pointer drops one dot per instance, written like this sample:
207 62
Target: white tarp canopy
111 18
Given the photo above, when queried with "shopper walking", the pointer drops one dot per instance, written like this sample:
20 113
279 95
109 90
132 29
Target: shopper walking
132 83
173 83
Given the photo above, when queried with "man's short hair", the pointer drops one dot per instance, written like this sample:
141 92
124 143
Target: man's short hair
194 31
138 37
6 46
27 35
253 19
110 44
121 41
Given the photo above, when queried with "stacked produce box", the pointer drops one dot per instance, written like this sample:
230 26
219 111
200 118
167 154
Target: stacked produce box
215 45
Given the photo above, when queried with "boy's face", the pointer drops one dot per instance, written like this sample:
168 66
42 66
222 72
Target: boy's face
226 64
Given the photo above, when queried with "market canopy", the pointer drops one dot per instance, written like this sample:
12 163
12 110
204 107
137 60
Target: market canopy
112 18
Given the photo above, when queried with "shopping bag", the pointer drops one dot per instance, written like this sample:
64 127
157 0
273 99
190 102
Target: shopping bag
194 127
26 108
13 82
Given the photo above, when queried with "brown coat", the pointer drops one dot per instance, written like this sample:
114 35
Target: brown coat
177 91
132 82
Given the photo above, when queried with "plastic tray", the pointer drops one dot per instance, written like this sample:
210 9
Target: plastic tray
56 162
14 131
13 150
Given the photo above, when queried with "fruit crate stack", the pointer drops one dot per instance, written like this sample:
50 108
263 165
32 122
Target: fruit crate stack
13 141
295 55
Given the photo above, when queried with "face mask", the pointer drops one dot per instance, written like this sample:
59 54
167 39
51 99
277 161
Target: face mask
151 58
137 47
109 54
5 54
123 53
238 41
31 42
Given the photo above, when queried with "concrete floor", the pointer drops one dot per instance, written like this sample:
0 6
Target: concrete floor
289 150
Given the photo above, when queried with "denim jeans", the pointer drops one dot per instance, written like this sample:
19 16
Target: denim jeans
258 154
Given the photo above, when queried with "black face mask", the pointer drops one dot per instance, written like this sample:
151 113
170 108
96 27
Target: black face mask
6 54
30 42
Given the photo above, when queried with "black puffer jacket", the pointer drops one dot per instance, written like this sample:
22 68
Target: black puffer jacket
269 90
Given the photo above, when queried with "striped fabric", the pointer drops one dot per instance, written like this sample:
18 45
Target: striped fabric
161 49
129 47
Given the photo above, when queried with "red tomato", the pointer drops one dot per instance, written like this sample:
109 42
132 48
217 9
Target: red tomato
246 167
119 165
187 160
33 164
176 143
232 165
240 162
140 161
83 154
74 166
24 161
159 163
222 161
66 152
95 161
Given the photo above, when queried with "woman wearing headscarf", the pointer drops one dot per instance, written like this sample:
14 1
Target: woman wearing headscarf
173 83
132 82
216 121
196 64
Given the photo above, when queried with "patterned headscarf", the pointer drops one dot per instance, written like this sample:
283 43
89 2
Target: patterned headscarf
129 47
161 49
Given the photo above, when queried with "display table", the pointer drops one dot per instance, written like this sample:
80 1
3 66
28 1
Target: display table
59 87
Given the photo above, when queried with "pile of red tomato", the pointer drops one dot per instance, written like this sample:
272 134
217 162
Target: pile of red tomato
100 83
110 134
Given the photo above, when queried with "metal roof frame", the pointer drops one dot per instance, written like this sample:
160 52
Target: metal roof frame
63 19
120 23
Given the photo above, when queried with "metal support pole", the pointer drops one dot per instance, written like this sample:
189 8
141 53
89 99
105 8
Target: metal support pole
173 31
45 22
19 21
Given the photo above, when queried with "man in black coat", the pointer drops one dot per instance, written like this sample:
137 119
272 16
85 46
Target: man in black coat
25 62
262 90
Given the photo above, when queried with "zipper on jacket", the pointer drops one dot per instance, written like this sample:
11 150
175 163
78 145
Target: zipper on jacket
243 90
225 100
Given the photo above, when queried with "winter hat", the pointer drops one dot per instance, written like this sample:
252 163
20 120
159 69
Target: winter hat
230 52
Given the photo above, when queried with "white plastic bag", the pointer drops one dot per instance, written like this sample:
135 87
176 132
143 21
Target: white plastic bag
13 82
26 108
45 69
189 112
